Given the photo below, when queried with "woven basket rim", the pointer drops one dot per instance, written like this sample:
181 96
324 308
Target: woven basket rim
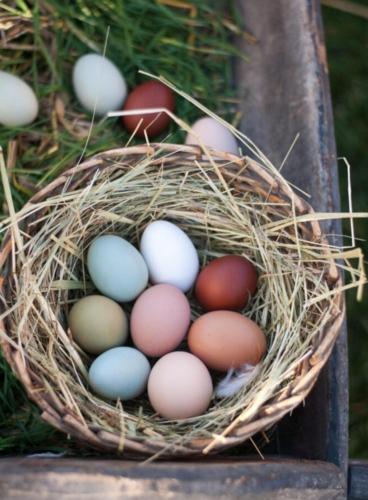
294 393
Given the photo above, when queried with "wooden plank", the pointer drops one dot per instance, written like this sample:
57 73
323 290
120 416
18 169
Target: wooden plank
286 92
358 479
73 479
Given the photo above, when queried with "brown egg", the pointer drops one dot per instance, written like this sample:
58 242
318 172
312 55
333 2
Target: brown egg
152 94
226 339
226 283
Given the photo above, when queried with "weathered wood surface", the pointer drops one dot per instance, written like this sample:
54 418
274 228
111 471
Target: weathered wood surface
286 92
358 480
74 479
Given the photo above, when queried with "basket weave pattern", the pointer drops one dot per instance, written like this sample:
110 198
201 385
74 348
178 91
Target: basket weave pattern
106 426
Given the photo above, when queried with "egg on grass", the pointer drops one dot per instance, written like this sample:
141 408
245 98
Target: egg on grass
212 134
151 94
18 102
98 84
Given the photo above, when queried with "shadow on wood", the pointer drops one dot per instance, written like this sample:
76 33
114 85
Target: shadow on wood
358 479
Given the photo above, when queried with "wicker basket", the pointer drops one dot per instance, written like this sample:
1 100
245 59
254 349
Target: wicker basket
245 176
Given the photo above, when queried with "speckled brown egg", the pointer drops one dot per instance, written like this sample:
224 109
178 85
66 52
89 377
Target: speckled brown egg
226 283
152 94
226 339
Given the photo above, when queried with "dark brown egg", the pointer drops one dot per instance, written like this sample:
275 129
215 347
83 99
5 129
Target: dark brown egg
226 339
152 94
226 283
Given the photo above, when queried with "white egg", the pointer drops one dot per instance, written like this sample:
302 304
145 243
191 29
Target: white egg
98 82
212 134
170 255
18 103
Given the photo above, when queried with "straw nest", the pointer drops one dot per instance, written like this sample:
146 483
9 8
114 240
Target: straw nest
227 205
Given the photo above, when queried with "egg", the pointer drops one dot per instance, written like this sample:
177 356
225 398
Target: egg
170 255
152 94
119 373
226 339
98 323
18 103
160 320
226 283
116 268
212 134
98 82
179 386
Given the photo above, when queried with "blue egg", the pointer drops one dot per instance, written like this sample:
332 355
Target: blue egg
116 268
119 373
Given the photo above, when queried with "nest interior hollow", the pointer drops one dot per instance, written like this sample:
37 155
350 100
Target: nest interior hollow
227 205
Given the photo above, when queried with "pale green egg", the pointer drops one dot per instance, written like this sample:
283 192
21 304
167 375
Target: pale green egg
120 373
116 268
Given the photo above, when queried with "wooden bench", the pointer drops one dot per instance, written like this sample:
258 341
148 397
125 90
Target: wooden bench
285 92
358 480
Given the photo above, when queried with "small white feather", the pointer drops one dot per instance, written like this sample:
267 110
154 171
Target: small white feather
236 380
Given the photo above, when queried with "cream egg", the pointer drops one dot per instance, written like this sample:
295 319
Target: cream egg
179 386
18 103
98 84
213 134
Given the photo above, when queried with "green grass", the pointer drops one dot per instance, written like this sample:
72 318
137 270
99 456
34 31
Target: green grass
143 35
347 46
147 35
21 429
